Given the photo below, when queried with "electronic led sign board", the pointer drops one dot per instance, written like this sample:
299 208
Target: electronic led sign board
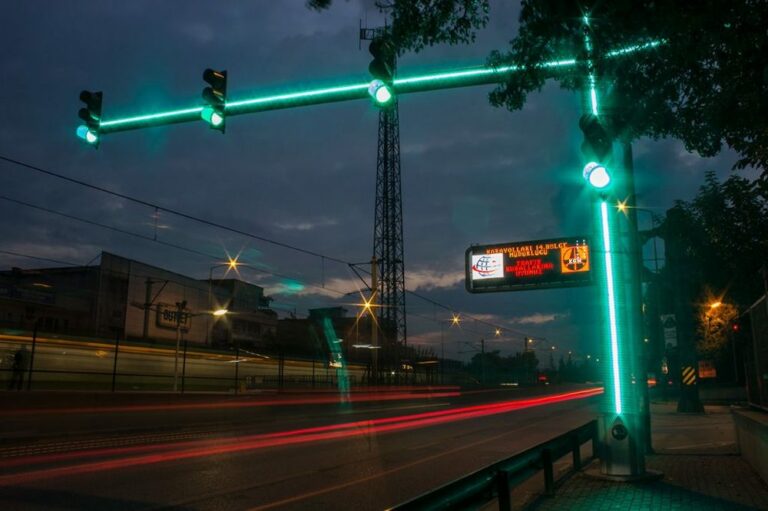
521 265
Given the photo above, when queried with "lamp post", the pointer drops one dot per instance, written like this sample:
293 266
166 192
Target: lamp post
232 264
181 314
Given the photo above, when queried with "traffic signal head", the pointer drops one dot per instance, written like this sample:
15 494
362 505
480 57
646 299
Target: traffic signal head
382 66
597 145
91 116
215 97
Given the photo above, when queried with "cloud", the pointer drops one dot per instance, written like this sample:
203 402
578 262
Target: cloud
430 279
306 225
538 318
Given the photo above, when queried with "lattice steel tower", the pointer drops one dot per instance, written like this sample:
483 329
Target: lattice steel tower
388 233
388 222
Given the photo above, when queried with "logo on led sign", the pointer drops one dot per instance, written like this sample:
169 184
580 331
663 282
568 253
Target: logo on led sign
488 266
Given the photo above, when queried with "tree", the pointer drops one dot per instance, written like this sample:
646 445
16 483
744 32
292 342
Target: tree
725 234
716 320
707 85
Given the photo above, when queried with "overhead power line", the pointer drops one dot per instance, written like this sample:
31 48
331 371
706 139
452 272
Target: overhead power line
158 207
203 221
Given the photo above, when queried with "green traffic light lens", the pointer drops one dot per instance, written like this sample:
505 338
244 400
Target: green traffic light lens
87 134
597 175
380 92
211 116
383 95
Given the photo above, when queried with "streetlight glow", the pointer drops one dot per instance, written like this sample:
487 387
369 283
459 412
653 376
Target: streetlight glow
220 312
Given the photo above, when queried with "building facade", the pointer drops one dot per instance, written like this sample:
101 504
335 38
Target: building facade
127 299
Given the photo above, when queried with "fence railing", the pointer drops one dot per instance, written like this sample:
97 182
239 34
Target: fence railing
496 481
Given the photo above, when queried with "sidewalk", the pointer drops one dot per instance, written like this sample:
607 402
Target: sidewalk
702 470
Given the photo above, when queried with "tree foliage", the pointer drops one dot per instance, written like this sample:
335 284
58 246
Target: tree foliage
707 85
715 323
725 233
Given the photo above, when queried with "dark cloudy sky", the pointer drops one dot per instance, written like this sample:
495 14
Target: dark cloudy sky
471 173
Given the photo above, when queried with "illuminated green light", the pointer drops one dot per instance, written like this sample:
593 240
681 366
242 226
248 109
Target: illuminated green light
383 95
597 175
611 308
420 83
454 75
158 117
590 68
593 94
87 134
634 48
297 95
380 93
211 116
559 63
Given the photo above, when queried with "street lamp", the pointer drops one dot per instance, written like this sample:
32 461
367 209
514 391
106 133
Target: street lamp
231 264
181 313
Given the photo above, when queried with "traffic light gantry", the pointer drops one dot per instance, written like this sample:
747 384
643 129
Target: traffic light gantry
468 77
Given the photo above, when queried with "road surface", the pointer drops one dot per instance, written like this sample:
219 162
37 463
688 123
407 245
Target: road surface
270 452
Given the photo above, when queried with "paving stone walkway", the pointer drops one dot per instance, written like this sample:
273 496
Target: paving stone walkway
697 455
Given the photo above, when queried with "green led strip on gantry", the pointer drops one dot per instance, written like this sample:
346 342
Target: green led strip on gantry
405 85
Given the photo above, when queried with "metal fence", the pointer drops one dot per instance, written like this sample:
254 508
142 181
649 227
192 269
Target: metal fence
48 362
495 481
756 354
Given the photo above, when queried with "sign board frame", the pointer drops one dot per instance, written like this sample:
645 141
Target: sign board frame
527 265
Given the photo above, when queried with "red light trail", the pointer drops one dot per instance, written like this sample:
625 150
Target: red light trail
315 399
202 448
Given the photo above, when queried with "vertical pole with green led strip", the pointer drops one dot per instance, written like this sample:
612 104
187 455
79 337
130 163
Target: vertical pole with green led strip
621 427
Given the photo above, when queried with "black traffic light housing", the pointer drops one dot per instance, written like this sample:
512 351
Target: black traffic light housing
215 97
91 116
597 145
382 67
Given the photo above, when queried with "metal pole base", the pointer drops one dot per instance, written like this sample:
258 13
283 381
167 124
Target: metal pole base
622 448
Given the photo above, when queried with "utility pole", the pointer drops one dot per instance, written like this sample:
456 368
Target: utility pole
374 326
147 304
180 306
482 362
679 269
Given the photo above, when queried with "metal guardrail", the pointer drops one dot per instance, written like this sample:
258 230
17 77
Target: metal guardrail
495 481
